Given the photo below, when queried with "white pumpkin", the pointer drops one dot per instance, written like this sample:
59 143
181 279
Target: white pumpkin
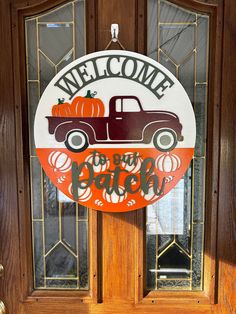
83 194
113 197
59 161
134 168
168 162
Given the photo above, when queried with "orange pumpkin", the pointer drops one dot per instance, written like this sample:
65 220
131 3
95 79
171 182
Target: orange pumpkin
61 109
87 106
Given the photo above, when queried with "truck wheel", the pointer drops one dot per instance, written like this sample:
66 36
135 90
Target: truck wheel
76 141
165 140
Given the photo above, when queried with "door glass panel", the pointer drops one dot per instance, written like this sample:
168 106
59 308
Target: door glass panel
178 39
59 226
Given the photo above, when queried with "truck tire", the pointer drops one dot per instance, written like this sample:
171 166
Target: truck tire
76 141
165 140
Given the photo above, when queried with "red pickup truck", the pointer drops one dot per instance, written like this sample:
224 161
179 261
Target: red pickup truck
127 123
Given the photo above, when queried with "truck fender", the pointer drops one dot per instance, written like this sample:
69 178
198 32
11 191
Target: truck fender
63 129
152 127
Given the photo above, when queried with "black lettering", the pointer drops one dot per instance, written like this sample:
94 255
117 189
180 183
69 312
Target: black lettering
83 73
124 66
128 184
80 184
109 71
68 83
162 86
115 185
103 181
144 78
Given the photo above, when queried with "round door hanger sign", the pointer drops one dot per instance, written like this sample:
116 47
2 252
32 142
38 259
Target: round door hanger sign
114 131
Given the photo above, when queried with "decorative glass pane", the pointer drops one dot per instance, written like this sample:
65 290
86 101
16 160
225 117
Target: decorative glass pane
59 226
55 40
173 14
178 39
62 14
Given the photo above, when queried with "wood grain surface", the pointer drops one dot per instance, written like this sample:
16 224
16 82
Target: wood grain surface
227 184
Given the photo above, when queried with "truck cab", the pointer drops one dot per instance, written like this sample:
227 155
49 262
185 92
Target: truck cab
125 113
127 123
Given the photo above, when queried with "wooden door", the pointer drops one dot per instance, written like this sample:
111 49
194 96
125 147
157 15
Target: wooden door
112 274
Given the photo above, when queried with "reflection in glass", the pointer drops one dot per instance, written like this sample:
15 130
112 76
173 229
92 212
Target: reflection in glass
178 39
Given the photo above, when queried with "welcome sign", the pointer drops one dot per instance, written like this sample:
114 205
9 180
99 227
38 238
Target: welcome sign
115 131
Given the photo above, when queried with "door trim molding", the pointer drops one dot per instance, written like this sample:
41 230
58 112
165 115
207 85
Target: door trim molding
19 12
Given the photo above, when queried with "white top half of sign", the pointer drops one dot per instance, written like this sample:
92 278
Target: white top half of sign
175 98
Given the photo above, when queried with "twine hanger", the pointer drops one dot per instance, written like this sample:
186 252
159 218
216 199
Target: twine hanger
114 37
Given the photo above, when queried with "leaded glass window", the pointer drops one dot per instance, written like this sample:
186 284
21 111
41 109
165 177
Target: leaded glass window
178 39
59 226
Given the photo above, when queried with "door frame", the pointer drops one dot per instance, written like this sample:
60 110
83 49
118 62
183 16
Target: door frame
28 294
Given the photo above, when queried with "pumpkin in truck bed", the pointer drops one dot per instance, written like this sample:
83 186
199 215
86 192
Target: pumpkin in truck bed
87 106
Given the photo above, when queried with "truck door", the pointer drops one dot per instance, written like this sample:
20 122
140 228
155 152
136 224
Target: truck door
125 112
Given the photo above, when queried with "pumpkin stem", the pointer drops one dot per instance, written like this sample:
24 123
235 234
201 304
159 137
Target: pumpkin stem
61 101
90 95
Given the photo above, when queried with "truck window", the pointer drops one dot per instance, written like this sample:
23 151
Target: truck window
118 105
130 105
